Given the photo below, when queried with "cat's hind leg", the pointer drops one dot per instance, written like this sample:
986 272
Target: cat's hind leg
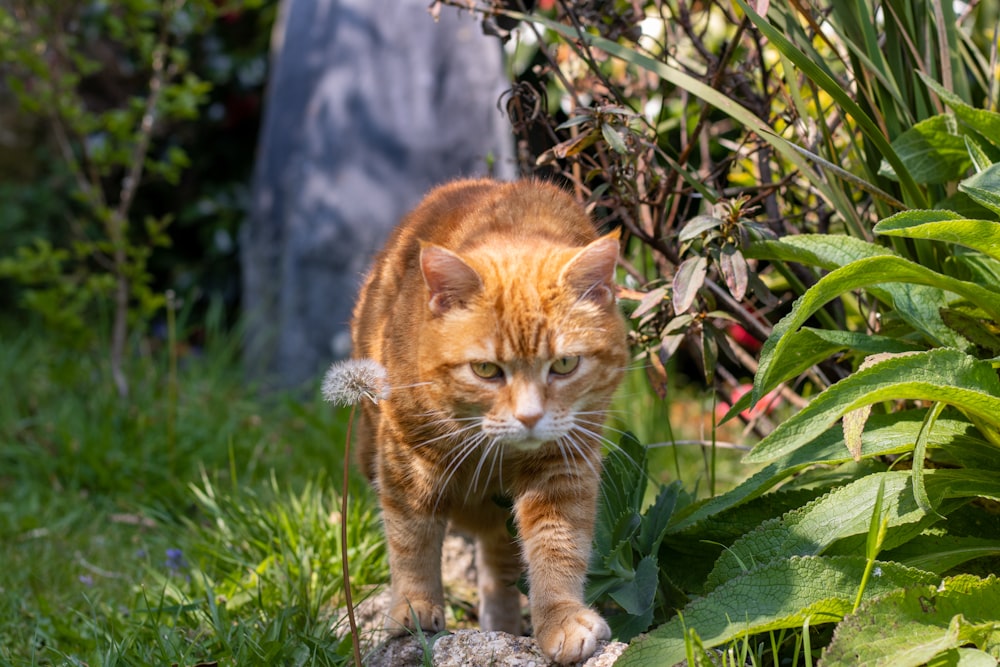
498 567
415 571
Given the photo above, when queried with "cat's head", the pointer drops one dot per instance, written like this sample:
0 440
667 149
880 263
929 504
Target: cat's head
523 341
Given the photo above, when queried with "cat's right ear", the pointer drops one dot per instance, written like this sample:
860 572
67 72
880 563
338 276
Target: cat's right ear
450 281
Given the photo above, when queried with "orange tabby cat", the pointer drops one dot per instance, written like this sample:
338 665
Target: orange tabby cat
492 310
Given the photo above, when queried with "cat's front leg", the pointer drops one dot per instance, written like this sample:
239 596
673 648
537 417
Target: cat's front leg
414 544
556 527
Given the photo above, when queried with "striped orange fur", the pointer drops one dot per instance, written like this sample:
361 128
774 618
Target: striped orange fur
492 309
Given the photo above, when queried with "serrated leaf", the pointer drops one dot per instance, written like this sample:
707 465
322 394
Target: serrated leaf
687 281
779 594
657 517
943 374
636 598
909 627
933 150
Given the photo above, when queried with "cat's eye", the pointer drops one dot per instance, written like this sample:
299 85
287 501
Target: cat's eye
565 365
487 370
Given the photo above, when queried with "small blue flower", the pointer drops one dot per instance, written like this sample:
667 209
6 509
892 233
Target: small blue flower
175 560
877 572
86 580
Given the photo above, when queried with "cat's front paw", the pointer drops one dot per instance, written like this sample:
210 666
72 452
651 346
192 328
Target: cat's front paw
570 633
405 616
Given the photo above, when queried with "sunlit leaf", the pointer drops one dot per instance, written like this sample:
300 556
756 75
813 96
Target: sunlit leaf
687 281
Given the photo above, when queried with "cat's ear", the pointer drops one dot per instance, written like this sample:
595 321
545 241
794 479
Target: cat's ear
449 279
591 273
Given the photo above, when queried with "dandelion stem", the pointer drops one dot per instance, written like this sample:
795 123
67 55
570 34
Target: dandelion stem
344 561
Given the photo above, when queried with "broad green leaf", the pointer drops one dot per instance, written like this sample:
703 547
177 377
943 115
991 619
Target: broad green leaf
622 485
779 594
636 598
917 305
933 151
888 434
811 529
908 627
940 553
944 375
963 657
945 226
810 346
981 121
826 251
984 187
860 274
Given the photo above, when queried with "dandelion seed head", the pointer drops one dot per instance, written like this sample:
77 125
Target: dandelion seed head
347 382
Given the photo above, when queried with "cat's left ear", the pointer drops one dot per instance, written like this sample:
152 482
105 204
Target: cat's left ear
450 281
591 273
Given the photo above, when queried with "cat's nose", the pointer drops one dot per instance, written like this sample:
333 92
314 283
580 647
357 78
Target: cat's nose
529 419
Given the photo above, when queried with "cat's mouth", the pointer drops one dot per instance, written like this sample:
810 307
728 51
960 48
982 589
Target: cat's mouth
528 444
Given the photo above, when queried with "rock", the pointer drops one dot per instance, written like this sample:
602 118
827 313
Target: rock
473 648
370 104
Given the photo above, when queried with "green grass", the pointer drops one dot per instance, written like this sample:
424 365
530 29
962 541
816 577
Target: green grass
195 521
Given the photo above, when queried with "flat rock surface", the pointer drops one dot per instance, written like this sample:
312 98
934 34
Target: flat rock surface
472 648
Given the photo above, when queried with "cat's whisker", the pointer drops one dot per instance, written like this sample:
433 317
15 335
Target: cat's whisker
599 425
601 413
410 386
496 448
581 427
580 448
458 456
450 434
612 446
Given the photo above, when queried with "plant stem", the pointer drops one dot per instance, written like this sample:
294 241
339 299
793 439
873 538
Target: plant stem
344 561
